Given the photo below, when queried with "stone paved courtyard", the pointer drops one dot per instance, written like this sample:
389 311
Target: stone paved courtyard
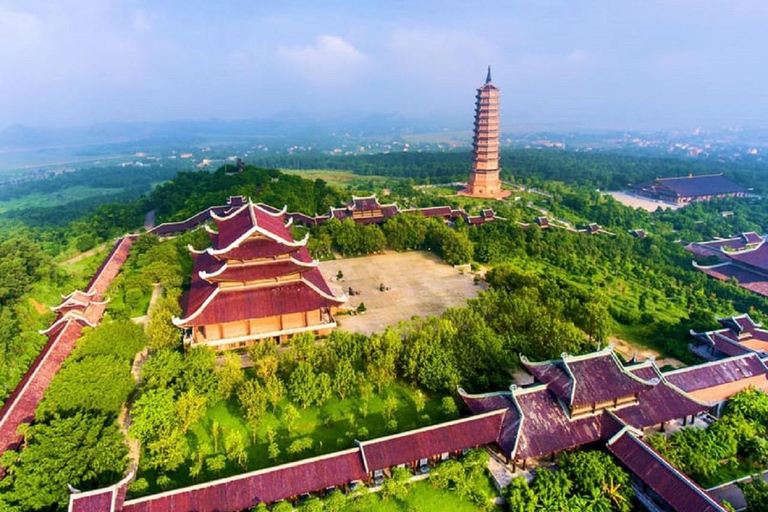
420 284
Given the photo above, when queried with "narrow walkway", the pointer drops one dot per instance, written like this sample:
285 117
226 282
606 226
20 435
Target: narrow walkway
20 406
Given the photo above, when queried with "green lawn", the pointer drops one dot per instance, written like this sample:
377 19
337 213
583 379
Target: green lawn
329 426
422 498
338 178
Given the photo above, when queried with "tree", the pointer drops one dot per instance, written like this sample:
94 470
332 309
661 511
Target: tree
190 408
200 372
162 369
83 450
323 388
755 493
382 353
230 375
289 416
344 378
273 450
234 448
520 497
216 463
302 384
397 486
390 406
99 383
274 391
419 400
160 329
253 401
155 422
301 444
448 405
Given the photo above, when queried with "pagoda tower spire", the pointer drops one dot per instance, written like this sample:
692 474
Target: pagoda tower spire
484 180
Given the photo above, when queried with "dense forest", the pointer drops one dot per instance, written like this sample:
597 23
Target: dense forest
604 171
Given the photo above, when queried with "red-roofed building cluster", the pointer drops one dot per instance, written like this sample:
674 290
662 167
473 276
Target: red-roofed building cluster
578 401
743 258
255 282
739 335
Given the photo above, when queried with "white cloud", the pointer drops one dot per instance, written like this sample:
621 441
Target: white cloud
328 61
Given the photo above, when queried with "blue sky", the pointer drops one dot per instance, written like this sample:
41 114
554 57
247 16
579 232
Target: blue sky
559 63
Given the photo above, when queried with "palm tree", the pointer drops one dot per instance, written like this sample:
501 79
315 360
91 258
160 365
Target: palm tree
613 492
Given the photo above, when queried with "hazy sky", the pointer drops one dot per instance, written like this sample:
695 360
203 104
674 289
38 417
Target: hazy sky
563 63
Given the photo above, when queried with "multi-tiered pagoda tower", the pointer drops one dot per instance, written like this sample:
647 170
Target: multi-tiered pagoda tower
484 180
255 282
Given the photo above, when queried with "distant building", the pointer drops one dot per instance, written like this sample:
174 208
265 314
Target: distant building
691 188
254 282
484 180
743 258
740 335
368 210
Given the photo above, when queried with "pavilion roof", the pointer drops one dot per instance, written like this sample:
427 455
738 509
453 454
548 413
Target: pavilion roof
221 271
703 185
679 491
586 379
733 370
546 427
247 222
662 402
756 257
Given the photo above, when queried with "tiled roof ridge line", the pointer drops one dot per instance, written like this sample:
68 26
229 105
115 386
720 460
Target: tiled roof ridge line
67 317
462 392
32 378
341 298
255 228
573 378
717 265
122 241
179 321
258 263
627 372
434 427
362 456
689 177
693 485
69 296
513 388
714 363
242 476
734 252
75 494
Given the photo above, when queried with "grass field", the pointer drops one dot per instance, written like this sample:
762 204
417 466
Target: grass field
422 498
332 427
337 178
62 197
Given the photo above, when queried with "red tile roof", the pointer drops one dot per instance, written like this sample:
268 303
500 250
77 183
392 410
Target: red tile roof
427 442
582 380
747 279
546 427
231 305
717 373
267 485
757 258
679 491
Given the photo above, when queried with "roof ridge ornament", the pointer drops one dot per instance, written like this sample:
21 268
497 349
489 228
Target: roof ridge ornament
488 78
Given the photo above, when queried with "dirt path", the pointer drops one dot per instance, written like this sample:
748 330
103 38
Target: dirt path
156 292
86 254
628 350
40 308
